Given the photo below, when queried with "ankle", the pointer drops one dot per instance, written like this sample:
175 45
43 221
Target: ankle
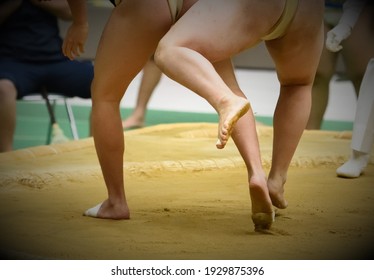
359 155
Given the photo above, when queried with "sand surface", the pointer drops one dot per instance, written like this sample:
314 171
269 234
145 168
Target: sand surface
188 200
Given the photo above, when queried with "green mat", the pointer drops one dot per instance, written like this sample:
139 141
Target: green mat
33 121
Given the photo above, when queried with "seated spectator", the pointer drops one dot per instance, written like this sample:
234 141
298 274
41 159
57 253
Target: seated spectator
31 58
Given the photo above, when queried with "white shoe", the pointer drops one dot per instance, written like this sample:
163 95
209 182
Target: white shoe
355 166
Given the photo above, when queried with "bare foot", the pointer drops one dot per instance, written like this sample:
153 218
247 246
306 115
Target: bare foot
232 110
132 123
106 211
276 191
262 209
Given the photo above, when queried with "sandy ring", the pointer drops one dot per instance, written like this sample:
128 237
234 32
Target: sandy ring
335 153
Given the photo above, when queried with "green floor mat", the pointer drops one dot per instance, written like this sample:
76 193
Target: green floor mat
33 121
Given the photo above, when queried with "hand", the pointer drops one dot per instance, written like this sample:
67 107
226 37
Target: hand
336 35
75 39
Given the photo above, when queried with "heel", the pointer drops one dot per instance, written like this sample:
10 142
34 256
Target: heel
263 221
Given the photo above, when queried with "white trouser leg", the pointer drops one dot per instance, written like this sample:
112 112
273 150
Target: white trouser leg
363 127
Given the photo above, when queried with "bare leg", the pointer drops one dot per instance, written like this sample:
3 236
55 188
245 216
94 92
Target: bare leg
245 138
321 87
291 115
192 41
122 53
210 21
293 107
8 95
363 128
229 107
150 79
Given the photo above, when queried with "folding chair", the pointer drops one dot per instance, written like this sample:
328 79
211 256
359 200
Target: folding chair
55 133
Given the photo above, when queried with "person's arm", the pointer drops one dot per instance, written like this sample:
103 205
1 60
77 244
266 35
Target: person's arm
7 8
351 12
77 33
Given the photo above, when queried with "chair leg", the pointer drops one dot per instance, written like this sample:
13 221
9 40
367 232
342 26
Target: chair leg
55 134
51 112
73 125
49 134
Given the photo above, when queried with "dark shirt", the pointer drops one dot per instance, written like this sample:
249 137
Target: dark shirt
30 34
334 3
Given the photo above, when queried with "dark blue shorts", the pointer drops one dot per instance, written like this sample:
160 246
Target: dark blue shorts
68 78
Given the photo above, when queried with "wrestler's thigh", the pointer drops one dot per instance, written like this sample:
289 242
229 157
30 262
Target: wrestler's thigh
215 28
296 64
297 54
128 40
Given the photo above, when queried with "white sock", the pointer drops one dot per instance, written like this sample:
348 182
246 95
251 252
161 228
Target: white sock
92 212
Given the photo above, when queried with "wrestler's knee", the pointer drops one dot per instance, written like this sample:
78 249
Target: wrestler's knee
163 50
106 92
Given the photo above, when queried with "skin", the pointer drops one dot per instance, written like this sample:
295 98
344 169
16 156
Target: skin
208 71
113 74
241 23
150 79
111 81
